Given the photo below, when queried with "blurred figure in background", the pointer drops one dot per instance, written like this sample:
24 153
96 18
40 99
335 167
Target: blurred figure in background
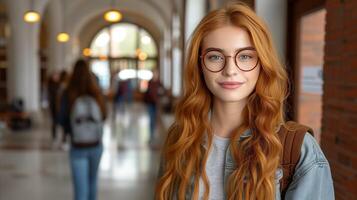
120 95
53 87
82 113
56 85
151 98
63 81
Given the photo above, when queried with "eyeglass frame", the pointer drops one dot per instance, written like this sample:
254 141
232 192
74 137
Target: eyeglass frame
225 58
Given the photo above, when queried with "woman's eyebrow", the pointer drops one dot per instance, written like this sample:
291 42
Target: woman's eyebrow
222 50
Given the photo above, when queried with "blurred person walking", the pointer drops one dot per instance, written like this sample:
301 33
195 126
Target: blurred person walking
52 91
120 96
82 113
63 82
151 98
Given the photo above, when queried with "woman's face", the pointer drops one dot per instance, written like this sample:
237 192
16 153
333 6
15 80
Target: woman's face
231 84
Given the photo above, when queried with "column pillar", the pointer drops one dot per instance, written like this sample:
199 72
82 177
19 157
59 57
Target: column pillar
274 12
23 71
55 50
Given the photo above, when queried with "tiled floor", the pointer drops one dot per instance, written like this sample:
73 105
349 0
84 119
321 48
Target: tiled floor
30 168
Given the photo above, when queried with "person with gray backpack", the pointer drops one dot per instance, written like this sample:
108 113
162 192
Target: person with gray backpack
82 115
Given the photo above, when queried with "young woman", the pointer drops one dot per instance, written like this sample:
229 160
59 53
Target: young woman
82 113
224 143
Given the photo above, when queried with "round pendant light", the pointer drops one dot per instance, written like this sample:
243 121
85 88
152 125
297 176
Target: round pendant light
32 16
112 16
63 37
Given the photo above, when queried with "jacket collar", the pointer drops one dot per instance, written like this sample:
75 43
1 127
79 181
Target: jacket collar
248 132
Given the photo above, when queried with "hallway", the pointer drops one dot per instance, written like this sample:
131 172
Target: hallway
32 168
128 44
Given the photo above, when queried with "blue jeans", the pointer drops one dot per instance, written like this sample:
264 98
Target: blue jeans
84 166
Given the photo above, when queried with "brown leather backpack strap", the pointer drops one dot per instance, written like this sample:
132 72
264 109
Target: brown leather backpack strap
291 135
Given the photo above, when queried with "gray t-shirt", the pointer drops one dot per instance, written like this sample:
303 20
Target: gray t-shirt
215 168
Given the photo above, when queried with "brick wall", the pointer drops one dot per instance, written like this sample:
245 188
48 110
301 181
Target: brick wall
339 120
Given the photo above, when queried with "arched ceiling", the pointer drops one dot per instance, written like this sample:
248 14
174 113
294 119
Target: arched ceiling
80 13
97 23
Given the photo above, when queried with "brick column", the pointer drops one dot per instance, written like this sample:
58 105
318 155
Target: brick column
339 121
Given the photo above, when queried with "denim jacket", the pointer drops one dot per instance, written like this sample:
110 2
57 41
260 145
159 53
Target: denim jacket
312 179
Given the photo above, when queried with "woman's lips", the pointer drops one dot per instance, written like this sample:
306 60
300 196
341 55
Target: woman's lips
230 84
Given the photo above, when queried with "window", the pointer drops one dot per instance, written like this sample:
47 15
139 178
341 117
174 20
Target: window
123 48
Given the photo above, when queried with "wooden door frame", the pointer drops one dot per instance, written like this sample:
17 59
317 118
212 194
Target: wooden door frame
296 9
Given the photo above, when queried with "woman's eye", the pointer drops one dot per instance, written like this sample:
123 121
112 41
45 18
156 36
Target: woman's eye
215 58
244 57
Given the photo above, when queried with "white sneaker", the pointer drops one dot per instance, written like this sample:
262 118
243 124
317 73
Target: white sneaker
65 146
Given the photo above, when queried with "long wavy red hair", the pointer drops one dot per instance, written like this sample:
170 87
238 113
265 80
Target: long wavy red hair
257 157
83 82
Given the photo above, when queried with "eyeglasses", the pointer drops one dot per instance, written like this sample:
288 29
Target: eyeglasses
214 60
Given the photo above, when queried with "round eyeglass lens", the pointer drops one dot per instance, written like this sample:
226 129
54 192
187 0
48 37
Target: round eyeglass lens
214 60
246 59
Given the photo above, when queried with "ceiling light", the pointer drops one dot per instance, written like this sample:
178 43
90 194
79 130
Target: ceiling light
62 37
32 16
112 16
87 52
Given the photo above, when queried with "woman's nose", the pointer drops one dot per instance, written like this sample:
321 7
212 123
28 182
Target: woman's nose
230 68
